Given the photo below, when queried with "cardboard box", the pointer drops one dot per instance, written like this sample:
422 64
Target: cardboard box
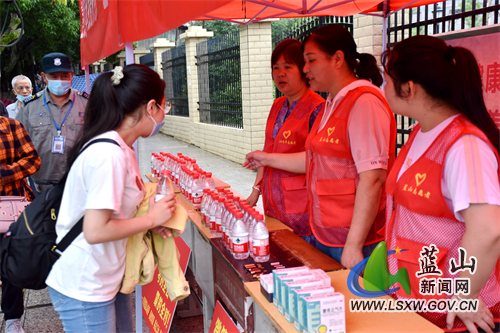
324 313
304 292
290 278
267 286
284 271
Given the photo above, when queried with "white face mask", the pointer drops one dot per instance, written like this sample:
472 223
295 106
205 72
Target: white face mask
156 127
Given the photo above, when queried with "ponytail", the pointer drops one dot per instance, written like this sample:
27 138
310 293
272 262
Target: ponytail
109 104
447 74
368 69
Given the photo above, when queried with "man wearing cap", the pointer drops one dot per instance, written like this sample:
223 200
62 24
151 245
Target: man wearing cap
54 118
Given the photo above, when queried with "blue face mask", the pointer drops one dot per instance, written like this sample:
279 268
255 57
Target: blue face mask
21 98
156 127
59 87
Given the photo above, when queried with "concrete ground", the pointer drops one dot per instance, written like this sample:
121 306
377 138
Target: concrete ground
40 316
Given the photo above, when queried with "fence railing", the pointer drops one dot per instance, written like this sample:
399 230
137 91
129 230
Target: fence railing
219 81
451 15
305 26
175 76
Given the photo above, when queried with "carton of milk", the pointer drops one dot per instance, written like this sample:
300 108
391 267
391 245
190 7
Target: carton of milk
284 271
304 292
325 313
287 296
290 278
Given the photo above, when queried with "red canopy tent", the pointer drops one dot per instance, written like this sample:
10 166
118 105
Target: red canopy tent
106 25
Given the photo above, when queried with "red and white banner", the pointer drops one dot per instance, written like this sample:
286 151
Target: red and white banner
221 322
157 308
484 43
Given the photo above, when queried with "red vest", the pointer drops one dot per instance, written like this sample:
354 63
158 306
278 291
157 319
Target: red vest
284 193
417 216
332 177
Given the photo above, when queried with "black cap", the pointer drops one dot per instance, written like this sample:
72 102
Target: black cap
56 62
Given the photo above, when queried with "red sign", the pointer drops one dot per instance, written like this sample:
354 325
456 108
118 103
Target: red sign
221 322
157 308
485 48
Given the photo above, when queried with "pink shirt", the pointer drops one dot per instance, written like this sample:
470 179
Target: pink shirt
368 127
470 169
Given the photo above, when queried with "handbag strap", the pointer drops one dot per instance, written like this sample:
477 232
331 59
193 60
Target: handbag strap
78 227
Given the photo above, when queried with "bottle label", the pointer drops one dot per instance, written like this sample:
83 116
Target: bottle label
197 200
158 197
218 225
212 223
261 247
240 244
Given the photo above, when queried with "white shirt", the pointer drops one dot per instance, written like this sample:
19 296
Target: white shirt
12 109
470 169
104 176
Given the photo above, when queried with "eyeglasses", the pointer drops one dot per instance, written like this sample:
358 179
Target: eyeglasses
167 108
21 88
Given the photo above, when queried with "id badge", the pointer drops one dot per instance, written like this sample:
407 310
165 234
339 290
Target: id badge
58 144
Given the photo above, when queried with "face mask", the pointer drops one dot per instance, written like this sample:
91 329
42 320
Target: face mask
59 87
156 127
21 98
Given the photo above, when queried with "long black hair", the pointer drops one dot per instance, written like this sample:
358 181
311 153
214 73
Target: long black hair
332 38
109 104
448 74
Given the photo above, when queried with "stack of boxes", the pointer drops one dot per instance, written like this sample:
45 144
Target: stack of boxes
305 297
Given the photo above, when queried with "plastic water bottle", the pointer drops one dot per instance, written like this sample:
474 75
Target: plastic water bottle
218 217
240 238
229 229
153 163
162 189
189 186
212 212
209 182
206 206
197 191
224 221
260 237
251 224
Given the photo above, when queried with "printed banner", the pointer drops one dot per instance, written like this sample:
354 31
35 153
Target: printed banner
484 43
221 322
157 308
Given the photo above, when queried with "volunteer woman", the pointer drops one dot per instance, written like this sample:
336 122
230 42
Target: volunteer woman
349 150
105 186
444 187
284 193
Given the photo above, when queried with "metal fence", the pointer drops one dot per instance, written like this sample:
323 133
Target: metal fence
219 80
452 15
306 25
174 74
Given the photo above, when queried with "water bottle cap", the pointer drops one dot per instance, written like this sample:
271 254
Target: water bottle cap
179 154
236 198
214 196
196 176
238 215
227 190
220 189
229 196
165 172
221 199
209 174
193 161
162 153
259 217
206 190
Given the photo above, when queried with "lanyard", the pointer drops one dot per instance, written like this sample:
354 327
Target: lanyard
66 117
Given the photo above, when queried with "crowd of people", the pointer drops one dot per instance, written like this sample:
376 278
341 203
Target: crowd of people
327 169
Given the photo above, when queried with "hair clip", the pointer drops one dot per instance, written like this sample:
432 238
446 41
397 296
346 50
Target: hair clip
117 75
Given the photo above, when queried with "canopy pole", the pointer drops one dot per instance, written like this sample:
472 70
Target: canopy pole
87 79
384 28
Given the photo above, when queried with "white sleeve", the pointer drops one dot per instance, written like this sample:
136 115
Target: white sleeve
470 175
105 178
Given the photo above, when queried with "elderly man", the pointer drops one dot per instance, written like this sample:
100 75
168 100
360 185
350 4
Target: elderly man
21 87
54 118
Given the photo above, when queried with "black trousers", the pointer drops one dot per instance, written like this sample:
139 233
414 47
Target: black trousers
12 299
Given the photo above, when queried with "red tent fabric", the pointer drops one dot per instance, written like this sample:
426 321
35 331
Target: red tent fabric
106 25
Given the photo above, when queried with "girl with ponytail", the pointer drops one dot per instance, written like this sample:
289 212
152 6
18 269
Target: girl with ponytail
444 188
104 185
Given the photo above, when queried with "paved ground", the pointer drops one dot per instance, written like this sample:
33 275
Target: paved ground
41 317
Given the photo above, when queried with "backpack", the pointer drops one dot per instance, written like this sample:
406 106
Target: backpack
28 248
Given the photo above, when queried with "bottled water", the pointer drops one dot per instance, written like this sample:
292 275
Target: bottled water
209 182
197 191
218 217
260 237
212 212
251 224
240 238
162 189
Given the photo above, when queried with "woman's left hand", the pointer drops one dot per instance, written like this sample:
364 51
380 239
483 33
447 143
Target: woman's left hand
482 318
162 231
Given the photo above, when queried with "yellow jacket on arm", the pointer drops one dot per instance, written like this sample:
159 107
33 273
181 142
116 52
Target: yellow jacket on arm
148 250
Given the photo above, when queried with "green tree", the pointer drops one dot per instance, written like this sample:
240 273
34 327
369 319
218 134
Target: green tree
49 26
219 28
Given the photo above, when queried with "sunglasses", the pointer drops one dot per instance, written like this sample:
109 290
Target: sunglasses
167 108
